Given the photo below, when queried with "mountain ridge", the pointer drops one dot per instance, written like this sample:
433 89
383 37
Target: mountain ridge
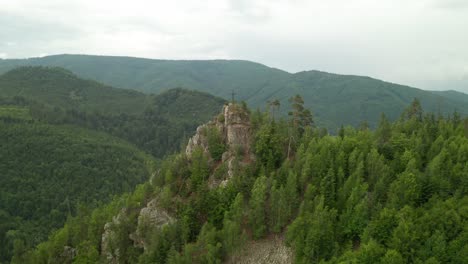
334 99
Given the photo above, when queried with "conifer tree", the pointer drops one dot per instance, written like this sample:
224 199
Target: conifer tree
257 207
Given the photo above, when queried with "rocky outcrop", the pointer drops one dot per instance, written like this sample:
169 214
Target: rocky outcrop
108 248
67 256
234 126
270 250
237 127
152 216
198 140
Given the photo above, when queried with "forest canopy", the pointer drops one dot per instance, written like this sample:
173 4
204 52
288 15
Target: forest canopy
393 195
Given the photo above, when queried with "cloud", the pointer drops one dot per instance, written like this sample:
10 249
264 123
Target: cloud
457 5
395 40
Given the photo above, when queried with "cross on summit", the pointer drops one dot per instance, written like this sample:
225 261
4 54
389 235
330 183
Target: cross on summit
232 96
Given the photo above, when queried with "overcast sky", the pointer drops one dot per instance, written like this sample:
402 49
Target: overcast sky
423 43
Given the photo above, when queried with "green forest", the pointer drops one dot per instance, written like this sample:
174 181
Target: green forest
396 194
157 124
69 143
48 172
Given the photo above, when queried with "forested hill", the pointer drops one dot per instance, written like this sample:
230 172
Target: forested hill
454 95
394 195
155 123
69 145
59 87
334 99
47 172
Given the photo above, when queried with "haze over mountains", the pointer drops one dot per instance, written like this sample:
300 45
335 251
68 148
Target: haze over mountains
334 99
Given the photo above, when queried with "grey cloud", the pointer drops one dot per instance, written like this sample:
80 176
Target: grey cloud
457 5
398 41
249 10
20 29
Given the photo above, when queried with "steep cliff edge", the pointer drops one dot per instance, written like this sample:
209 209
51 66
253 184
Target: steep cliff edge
230 131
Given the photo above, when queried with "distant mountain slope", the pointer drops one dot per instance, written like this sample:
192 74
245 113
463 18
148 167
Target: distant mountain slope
155 123
334 99
453 95
60 87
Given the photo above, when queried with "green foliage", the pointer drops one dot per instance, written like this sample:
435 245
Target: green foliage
396 195
232 233
14 112
300 116
215 143
312 234
268 147
156 124
257 207
199 168
48 170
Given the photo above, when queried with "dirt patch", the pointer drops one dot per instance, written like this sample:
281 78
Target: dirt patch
271 250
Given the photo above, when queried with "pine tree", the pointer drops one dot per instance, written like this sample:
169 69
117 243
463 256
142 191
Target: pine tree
257 207
327 188
300 116
199 168
232 235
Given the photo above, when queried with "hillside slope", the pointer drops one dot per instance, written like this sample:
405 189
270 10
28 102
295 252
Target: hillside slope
334 99
155 123
454 95
48 172
59 87
396 195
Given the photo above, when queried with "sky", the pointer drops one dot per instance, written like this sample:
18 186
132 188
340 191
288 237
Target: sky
422 43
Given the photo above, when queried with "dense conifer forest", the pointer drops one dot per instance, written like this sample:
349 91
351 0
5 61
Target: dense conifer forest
68 143
393 195
49 171
234 132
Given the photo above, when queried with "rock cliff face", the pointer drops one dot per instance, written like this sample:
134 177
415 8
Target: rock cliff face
237 127
150 217
234 126
198 140
108 248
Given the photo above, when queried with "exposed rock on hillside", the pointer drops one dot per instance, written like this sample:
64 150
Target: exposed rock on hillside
110 251
237 127
270 251
152 216
233 124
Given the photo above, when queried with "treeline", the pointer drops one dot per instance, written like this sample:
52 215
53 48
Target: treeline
394 195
